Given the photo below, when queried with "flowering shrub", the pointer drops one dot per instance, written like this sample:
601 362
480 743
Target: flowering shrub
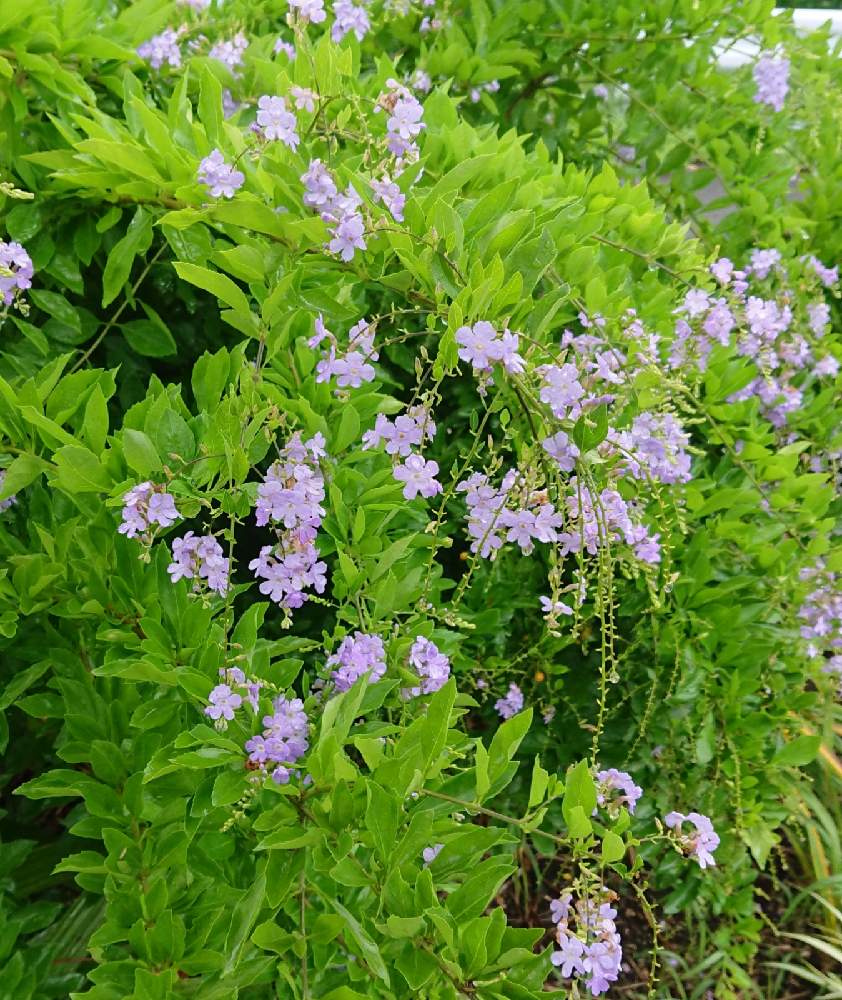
347 430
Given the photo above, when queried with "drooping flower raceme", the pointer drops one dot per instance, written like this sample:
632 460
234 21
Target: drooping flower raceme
16 271
590 949
145 506
700 843
399 436
284 741
221 179
482 346
654 447
199 559
340 210
771 76
290 498
358 654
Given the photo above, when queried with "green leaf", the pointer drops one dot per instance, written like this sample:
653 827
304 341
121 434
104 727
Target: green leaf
798 752
25 469
579 792
149 338
382 817
79 471
217 284
613 848
348 430
368 949
119 264
140 453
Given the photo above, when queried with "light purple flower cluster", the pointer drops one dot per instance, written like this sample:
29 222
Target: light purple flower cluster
763 327
475 93
431 665
408 430
309 10
341 211
562 449
349 17
510 704
700 843
828 276
821 614
419 477
221 179
590 949
562 391
290 498
592 523
284 740
286 47
223 703
163 48
482 346
654 447
16 271
349 365
357 655
399 436
771 76
144 506
498 515
608 784
199 558
7 503
274 121
403 124
388 192
230 52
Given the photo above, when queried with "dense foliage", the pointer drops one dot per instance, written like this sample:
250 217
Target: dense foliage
421 455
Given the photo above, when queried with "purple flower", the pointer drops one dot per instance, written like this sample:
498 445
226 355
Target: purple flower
199 558
429 854
390 194
348 236
827 275
222 180
561 390
285 739
612 781
276 122
223 703
287 48
305 100
701 842
418 476
569 958
357 655
772 79
482 347
230 52
722 270
310 10
511 703
550 607
349 17
162 49
409 430
762 262
562 449
654 447
16 271
818 314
